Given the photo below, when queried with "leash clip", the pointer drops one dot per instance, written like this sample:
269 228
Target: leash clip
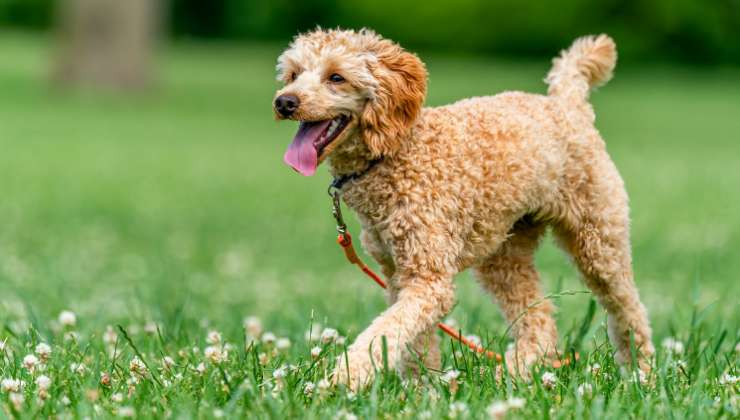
336 210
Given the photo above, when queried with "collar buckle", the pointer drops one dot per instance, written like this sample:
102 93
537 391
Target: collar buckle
336 186
336 211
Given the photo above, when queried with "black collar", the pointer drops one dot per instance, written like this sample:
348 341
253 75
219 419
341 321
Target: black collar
339 181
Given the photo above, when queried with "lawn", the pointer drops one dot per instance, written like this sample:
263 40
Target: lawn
171 214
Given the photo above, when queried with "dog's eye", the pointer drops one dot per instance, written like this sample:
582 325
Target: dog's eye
336 78
293 76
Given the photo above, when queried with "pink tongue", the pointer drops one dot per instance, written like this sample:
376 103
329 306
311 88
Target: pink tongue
301 154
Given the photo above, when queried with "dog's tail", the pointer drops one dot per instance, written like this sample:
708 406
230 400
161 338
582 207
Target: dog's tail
588 63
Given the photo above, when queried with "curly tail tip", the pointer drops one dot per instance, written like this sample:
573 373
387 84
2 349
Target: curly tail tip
588 63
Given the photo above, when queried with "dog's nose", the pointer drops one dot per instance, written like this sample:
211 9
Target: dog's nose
286 104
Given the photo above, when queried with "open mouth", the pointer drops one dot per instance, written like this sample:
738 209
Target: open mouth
310 142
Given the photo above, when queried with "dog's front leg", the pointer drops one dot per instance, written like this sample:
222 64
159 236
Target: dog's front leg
423 299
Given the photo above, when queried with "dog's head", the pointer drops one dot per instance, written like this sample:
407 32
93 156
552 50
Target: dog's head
341 83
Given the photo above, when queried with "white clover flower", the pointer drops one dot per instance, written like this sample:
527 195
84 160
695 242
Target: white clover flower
78 368
215 354
345 415
72 336
253 326
105 379
213 338
585 390
324 385
672 345
30 362
329 335
458 409
316 352
200 369
424 415
150 328
282 344
728 379
43 382
595 369
309 388
549 380
126 411
314 333
263 358
65 400
17 399
168 362
44 351
341 340
117 398
497 410
279 373
11 385
137 366
67 318
269 338
516 403
218 413
110 336
450 375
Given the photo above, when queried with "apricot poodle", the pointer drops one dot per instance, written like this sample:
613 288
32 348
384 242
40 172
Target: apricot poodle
473 185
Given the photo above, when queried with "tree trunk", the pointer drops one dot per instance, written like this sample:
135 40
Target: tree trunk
107 43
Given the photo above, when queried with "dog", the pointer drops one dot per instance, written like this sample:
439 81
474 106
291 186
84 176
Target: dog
471 185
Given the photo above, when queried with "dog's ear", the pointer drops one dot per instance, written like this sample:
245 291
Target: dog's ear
391 112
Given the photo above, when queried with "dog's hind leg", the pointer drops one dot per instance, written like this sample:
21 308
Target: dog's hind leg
510 276
594 230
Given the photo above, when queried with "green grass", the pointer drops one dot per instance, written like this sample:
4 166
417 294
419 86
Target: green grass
173 208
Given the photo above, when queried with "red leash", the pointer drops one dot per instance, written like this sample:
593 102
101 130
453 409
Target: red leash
344 239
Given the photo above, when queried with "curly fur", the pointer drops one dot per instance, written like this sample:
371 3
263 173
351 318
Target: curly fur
472 185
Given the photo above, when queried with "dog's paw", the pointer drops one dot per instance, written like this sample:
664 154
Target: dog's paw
357 374
519 363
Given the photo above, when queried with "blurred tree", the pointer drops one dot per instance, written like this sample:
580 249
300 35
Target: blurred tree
107 43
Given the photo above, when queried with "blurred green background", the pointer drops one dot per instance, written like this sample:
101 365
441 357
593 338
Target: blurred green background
700 31
168 200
